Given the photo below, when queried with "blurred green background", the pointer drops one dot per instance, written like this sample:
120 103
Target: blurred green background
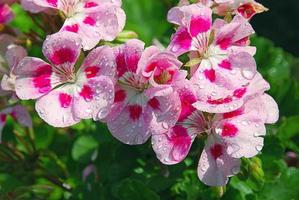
54 169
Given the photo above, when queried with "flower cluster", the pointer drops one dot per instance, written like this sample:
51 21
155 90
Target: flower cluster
148 93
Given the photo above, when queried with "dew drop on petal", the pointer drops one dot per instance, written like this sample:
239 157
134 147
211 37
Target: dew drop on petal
259 147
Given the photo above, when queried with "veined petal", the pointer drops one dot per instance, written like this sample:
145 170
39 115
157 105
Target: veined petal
99 62
62 50
94 99
172 146
34 78
57 107
216 165
128 56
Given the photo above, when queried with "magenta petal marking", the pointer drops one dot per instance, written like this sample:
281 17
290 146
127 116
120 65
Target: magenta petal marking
224 43
199 25
225 64
65 100
72 28
233 113
181 142
229 130
154 103
90 4
239 93
52 2
89 20
42 79
135 112
187 99
63 55
210 75
86 93
181 40
120 96
216 151
91 72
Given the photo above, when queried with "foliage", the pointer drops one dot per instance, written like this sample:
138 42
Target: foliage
48 163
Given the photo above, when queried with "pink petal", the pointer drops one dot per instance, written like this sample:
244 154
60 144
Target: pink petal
14 55
62 49
103 22
48 3
181 42
21 114
34 78
128 56
271 107
216 165
200 24
57 107
131 125
100 61
172 146
32 7
168 112
95 98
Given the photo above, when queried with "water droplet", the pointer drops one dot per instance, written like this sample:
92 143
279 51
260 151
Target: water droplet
235 170
165 125
102 113
259 147
248 74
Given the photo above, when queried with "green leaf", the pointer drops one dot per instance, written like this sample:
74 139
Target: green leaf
285 188
83 148
130 189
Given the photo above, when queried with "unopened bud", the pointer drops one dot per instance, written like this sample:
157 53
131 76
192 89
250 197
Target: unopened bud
126 35
256 170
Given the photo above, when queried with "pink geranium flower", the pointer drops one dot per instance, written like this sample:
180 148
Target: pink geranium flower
92 20
225 62
6 14
144 95
231 135
64 95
